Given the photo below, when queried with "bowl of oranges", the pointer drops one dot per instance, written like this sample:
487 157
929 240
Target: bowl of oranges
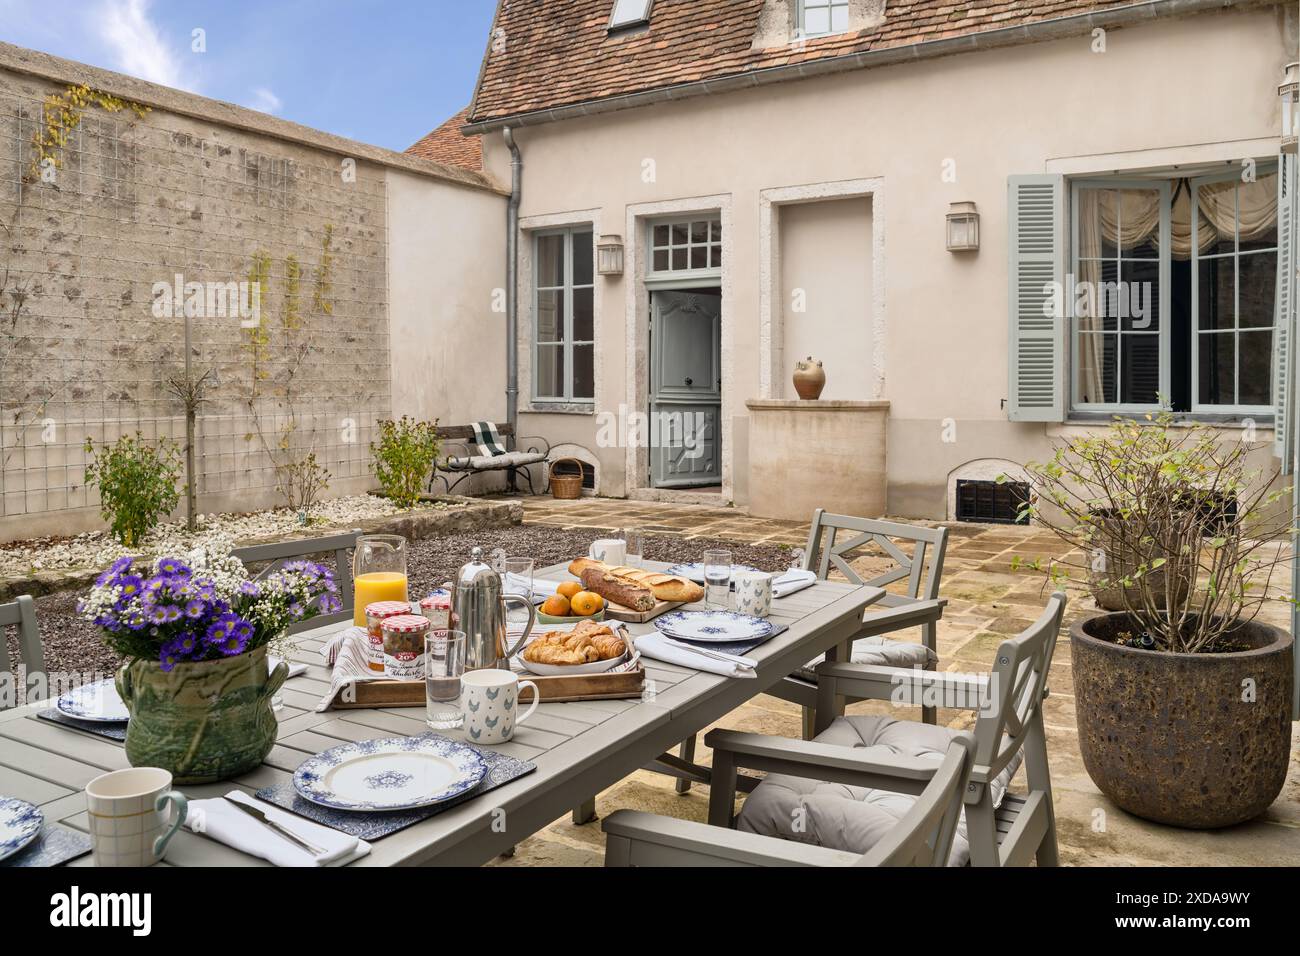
571 603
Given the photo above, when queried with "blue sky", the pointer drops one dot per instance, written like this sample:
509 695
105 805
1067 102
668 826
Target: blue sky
380 71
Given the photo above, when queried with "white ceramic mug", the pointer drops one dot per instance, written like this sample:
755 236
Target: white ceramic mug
754 593
490 700
612 551
127 825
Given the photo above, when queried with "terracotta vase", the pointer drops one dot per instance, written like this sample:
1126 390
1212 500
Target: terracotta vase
809 379
203 721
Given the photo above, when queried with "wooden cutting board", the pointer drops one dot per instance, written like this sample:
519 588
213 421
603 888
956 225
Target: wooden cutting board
410 693
618 612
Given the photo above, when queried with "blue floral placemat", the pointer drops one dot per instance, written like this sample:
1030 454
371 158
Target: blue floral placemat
372 826
57 844
111 731
739 648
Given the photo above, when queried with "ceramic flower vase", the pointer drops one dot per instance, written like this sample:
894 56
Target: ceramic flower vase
809 379
204 721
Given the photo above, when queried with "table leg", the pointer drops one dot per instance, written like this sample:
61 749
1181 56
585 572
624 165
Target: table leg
687 753
585 812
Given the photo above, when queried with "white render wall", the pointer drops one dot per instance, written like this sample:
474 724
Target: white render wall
1152 99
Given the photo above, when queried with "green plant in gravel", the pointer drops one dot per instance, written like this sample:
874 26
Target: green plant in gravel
137 483
404 457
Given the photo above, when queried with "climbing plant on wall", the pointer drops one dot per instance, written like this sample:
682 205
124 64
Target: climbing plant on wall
61 113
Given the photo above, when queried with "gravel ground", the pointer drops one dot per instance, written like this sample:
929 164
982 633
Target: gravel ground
74 646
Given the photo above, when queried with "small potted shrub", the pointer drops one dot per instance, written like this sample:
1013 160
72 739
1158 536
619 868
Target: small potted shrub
1183 697
137 484
195 632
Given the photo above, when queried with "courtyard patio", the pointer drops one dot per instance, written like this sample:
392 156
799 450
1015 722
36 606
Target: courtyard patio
986 602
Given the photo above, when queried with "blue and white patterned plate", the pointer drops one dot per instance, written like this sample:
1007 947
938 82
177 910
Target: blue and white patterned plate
393 773
20 822
97 701
695 571
718 627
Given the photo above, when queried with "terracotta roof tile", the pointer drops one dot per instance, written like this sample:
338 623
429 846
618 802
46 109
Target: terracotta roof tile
448 146
559 53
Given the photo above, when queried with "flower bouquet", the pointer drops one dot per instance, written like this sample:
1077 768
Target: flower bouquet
195 632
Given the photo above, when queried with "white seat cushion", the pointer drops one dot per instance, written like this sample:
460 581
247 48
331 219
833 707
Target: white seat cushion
511 459
848 818
879 650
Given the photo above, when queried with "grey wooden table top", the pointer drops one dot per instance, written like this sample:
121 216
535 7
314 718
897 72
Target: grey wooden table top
579 748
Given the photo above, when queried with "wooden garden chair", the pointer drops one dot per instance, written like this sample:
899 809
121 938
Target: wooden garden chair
22 614
1001 828
280 552
831 539
923 836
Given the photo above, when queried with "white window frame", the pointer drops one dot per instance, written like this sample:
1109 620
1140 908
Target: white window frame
567 344
1166 237
629 20
1235 255
830 6
689 276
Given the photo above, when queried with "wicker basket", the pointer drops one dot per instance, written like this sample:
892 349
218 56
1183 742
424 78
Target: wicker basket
565 487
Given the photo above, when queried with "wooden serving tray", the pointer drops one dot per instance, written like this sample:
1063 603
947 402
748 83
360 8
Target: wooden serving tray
618 612
570 687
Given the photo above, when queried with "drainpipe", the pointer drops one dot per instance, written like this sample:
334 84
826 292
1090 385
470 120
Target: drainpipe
512 284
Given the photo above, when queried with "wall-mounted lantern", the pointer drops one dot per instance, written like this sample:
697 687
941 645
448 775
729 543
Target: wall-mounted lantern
609 256
1289 91
963 227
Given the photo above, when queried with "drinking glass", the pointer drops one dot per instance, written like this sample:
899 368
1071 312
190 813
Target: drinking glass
444 665
717 578
378 572
518 580
634 541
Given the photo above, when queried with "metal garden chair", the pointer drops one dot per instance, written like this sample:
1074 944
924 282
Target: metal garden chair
277 554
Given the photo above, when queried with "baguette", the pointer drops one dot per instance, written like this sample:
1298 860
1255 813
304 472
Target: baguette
617 589
666 587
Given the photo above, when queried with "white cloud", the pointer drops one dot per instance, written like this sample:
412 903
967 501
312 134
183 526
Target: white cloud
264 101
137 45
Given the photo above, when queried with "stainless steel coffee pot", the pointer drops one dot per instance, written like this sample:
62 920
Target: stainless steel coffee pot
478 607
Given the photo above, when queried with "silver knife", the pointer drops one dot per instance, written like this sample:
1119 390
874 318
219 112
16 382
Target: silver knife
266 821
716 655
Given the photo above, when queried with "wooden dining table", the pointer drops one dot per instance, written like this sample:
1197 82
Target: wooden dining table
580 748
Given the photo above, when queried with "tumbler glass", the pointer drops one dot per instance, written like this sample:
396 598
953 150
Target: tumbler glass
444 665
634 540
717 578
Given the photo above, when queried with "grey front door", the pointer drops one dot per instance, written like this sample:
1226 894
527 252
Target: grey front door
685 389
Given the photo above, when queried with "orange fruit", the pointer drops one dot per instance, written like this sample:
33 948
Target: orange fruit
585 603
569 589
557 606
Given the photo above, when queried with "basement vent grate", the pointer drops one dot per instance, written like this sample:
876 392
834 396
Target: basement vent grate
991 501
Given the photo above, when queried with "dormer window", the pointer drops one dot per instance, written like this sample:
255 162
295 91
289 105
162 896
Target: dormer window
819 18
629 13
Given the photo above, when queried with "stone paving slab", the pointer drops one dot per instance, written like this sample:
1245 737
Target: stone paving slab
987 602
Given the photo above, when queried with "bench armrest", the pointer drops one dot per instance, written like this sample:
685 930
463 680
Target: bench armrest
532 443
831 762
633 838
455 449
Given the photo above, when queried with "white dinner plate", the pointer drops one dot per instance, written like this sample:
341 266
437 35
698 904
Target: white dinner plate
392 773
97 702
20 822
695 571
720 627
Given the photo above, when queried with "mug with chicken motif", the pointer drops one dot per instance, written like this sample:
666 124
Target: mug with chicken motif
754 593
489 699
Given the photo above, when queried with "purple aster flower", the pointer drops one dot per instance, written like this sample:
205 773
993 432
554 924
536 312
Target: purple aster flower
250 589
169 656
195 608
232 645
121 565
171 566
187 644
130 585
172 612
136 622
158 614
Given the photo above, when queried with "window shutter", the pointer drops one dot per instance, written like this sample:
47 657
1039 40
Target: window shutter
1036 224
1284 325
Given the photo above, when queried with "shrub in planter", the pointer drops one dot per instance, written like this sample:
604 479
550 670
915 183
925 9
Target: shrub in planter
137 484
404 458
1182 697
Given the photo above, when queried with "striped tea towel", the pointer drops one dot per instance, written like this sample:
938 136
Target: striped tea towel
489 441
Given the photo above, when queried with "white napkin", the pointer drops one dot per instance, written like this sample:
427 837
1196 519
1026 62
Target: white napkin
295 668
656 646
791 581
218 820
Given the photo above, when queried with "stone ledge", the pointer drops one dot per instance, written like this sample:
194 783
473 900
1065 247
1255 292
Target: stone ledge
818 404
476 515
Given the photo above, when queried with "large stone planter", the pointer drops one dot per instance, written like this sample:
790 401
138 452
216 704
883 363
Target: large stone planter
1192 740
203 721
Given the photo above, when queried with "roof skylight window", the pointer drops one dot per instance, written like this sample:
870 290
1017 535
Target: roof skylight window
629 13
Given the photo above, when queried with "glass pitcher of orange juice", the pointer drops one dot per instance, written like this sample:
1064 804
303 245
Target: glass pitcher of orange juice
378 572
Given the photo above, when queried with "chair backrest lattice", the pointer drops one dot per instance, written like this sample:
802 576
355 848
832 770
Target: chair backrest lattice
833 537
278 553
21 614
